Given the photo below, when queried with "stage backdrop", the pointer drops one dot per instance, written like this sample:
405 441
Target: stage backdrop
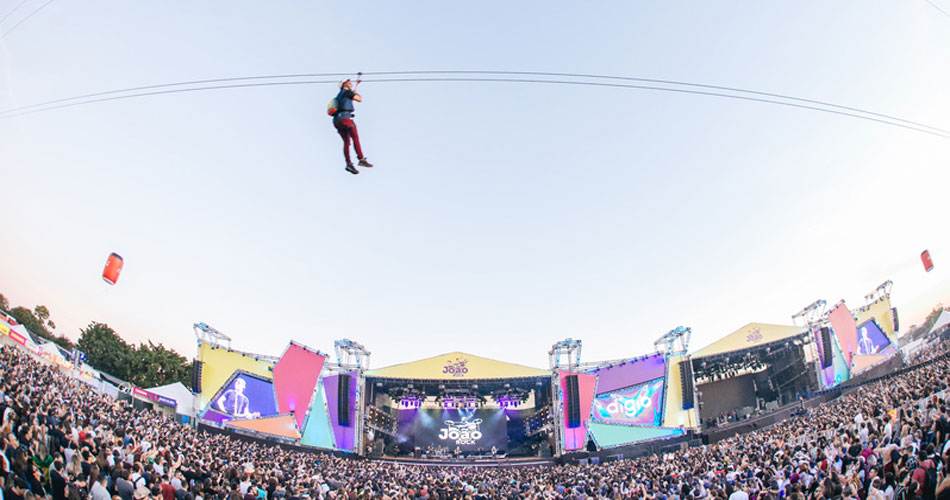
881 312
846 332
220 364
629 372
295 378
469 430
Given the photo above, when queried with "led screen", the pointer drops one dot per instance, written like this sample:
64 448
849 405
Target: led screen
629 372
245 397
641 404
468 430
871 340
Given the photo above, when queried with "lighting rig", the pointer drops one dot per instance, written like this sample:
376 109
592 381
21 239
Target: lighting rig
407 397
510 397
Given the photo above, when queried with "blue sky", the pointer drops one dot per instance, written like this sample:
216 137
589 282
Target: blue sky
500 218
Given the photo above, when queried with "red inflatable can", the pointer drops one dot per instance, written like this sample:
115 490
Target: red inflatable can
113 267
928 262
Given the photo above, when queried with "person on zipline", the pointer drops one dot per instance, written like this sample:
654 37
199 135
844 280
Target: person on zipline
343 121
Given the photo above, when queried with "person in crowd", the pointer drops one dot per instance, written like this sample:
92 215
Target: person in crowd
886 440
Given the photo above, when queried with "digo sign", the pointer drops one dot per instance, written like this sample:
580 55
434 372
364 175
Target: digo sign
641 404
462 432
456 368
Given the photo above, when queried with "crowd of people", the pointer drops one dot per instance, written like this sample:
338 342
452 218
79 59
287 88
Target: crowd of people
63 441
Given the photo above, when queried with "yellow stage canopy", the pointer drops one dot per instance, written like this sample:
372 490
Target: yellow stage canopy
751 335
457 365
880 311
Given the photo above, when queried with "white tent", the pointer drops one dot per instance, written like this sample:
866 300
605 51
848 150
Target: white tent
181 395
942 321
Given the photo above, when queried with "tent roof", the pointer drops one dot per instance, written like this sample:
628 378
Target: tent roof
942 321
457 366
180 394
751 335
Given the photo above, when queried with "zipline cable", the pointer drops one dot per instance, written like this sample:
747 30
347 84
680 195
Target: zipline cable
14 10
654 80
25 19
935 131
165 85
479 72
938 8
110 95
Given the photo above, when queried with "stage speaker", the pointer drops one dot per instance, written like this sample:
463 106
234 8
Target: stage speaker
196 367
897 325
826 353
573 401
686 379
343 400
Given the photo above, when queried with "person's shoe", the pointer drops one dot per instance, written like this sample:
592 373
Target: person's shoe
364 163
351 169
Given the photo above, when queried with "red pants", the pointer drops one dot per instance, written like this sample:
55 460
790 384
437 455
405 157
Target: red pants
347 130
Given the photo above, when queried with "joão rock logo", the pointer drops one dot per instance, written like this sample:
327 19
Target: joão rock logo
463 432
456 368
754 336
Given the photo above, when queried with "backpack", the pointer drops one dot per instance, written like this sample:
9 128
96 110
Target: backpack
332 107
930 482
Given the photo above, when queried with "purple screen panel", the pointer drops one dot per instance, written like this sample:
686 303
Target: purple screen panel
245 398
871 340
630 373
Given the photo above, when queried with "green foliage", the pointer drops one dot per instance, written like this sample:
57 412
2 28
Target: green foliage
38 325
147 365
154 365
105 350
41 312
26 318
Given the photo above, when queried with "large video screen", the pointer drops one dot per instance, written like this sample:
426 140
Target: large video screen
871 339
468 430
641 404
245 397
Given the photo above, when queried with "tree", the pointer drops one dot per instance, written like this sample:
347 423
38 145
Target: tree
42 312
26 318
153 364
4 303
105 350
